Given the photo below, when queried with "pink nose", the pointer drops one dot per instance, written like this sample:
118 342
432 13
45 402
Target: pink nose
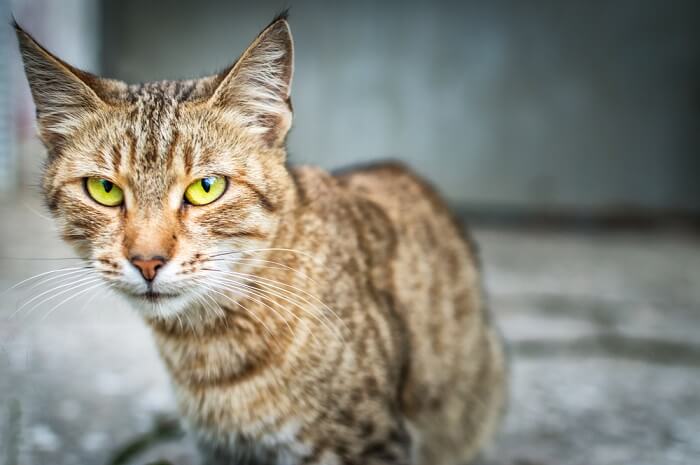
148 267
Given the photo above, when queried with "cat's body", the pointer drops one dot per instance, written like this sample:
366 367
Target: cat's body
305 318
416 373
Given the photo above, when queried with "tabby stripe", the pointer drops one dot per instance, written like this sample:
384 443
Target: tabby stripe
188 159
132 151
252 234
170 155
116 158
262 198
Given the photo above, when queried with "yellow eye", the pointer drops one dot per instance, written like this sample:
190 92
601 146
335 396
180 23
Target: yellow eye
205 190
104 192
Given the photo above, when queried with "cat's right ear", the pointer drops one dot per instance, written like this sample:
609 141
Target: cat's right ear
63 95
257 87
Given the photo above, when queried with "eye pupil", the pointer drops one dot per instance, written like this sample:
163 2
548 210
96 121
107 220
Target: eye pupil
106 185
207 183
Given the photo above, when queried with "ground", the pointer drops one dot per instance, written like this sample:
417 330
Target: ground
602 329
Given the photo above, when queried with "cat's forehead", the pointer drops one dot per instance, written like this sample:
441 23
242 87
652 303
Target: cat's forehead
169 91
154 107
157 119
159 142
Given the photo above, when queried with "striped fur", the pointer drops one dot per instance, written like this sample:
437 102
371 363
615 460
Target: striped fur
305 318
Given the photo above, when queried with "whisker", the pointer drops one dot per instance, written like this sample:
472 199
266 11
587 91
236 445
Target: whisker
281 266
237 303
80 282
44 274
247 289
216 304
241 294
179 317
207 305
37 213
276 285
92 297
268 249
61 278
40 258
287 297
234 286
70 297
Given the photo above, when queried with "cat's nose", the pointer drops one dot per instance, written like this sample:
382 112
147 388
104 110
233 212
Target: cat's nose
148 266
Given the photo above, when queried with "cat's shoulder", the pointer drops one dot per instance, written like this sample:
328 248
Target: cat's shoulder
387 169
383 176
392 184
314 184
313 181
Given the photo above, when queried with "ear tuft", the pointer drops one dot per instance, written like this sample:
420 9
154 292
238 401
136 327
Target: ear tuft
282 15
61 93
257 87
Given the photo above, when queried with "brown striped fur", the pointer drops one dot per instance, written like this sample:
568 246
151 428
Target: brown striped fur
356 330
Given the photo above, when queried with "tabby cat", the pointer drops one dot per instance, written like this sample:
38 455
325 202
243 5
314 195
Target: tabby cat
305 317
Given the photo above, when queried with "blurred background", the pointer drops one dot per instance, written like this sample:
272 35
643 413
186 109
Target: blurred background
566 133
585 107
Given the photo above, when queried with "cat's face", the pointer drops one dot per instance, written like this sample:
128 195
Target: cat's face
158 186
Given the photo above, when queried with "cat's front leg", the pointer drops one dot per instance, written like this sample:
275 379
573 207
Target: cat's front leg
329 457
241 454
391 451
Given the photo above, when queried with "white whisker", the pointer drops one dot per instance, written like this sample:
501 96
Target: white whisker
271 283
81 280
280 266
241 288
61 278
44 274
237 303
92 297
70 297
65 291
287 296
269 249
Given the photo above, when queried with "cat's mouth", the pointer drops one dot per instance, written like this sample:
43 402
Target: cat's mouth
152 303
153 296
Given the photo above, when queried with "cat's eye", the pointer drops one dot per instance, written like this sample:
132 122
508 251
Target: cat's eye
205 190
104 192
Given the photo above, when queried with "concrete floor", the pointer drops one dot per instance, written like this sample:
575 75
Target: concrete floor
603 330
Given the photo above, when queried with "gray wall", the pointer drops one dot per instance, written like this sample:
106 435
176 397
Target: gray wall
534 104
7 152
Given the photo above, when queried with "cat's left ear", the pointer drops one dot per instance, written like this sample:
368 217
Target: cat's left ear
257 87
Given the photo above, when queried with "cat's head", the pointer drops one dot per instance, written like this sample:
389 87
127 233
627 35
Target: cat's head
155 184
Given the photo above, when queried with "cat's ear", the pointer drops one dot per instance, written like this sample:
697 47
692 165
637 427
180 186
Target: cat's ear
257 86
63 95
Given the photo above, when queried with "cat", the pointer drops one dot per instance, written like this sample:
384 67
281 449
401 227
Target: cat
304 317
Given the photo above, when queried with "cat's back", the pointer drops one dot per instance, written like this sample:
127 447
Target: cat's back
453 391
409 200
451 363
434 258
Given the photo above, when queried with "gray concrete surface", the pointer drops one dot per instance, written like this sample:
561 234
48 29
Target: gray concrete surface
603 330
